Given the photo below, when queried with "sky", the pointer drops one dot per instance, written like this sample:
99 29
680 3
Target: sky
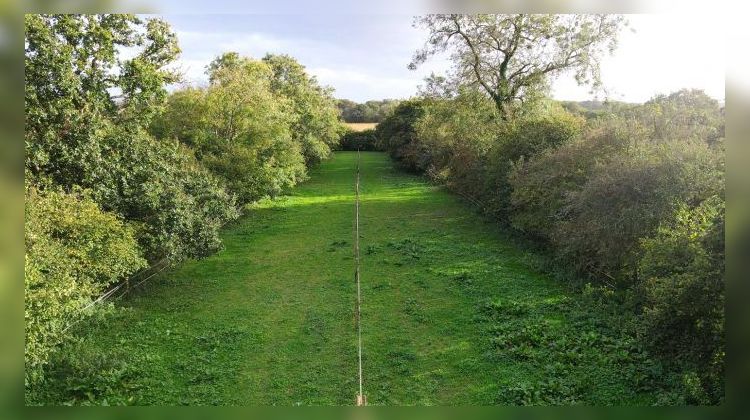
365 57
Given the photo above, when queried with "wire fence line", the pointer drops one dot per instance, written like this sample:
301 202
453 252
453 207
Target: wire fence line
154 269
361 399
124 287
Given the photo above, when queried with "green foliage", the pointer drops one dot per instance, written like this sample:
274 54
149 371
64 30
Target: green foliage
88 376
682 272
365 140
458 134
596 197
370 111
523 139
71 64
462 144
256 125
256 172
315 124
184 114
684 114
246 135
145 199
79 134
512 58
625 198
74 251
397 134
540 186
177 206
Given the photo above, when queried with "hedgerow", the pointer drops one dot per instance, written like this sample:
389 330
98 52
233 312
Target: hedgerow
631 199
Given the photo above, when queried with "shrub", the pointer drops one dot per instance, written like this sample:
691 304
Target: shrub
79 135
521 140
177 206
314 112
365 140
74 251
457 135
627 197
252 126
397 134
687 114
259 171
682 272
541 185
80 374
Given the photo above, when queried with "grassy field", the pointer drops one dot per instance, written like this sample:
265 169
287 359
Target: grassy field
361 126
453 313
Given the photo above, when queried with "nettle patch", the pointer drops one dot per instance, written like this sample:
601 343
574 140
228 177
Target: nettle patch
567 352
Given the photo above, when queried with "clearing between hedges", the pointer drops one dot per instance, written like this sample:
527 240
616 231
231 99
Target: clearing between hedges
453 312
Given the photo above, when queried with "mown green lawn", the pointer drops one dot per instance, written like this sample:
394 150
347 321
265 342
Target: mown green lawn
453 313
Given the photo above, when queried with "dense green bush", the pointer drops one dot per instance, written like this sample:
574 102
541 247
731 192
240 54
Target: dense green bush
541 185
184 115
637 206
625 199
458 134
367 112
630 199
257 125
245 135
74 251
176 205
397 134
596 197
461 143
684 114
79 134
315 117
522 139
682 271
365 140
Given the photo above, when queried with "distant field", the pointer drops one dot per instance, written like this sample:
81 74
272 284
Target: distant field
361 126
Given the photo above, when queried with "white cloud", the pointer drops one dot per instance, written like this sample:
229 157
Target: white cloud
365 57
357 84
664 54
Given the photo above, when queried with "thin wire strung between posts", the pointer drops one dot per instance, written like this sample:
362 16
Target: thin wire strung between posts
361 399
157 268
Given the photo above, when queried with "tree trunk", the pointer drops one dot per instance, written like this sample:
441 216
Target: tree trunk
504 108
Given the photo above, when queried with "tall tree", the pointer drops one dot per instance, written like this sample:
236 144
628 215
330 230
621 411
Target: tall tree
513 57
87 106
76 79
241 126
315 124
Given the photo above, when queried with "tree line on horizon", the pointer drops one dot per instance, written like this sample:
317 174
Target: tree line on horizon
373 111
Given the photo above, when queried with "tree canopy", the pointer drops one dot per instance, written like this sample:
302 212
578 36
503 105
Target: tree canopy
368 112
512 58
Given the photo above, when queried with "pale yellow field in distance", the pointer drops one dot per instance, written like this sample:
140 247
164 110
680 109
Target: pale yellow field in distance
361 126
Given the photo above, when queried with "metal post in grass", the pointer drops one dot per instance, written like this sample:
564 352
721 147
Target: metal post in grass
361 399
